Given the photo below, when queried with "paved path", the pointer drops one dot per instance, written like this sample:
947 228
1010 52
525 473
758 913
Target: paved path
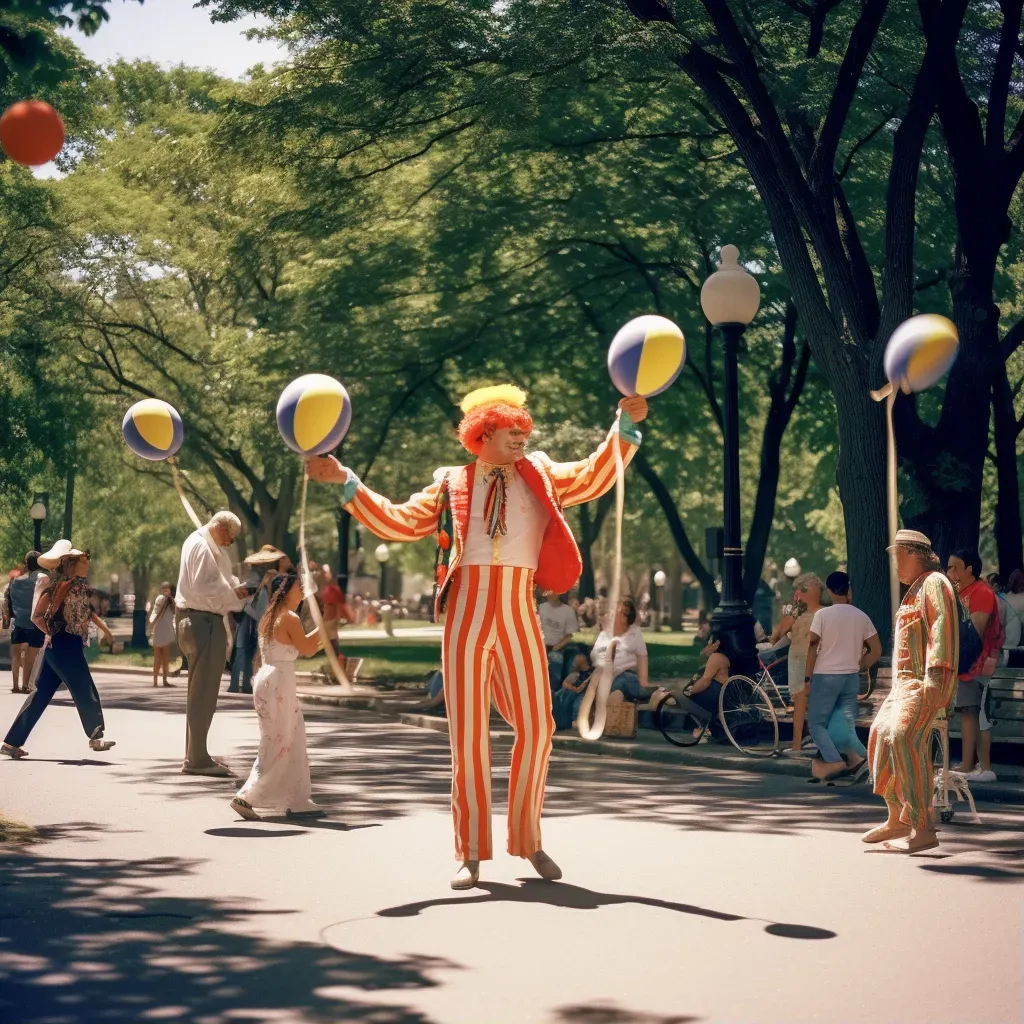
691 895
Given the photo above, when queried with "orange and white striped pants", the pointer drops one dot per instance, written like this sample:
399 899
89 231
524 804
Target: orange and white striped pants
493 644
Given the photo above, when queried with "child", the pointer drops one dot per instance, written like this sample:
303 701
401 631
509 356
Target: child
567 700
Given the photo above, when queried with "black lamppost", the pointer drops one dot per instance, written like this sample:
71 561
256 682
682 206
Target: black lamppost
730 298
38 513
382 554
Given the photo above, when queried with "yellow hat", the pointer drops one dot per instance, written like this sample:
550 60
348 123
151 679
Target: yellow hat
506 394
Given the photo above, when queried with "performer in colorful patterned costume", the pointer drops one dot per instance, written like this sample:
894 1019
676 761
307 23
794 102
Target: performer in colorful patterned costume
501 533
926 651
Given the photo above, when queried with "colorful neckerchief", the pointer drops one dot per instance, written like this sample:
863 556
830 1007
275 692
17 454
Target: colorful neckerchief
496 500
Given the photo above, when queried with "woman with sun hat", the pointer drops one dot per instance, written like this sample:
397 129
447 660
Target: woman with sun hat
64 613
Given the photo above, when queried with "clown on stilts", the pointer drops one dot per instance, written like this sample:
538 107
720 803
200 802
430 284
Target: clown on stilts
501 532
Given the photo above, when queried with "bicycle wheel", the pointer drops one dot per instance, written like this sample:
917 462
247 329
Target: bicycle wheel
680 727
748 717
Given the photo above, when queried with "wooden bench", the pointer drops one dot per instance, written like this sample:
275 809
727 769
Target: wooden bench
1006 705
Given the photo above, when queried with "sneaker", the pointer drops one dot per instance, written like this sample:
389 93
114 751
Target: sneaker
978 775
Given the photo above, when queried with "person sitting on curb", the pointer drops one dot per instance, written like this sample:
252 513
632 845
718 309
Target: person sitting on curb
566 703
435 696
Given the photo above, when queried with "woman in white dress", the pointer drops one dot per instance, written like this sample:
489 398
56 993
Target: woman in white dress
162 620
279 780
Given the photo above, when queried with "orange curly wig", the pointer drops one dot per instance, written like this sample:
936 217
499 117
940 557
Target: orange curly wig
480 422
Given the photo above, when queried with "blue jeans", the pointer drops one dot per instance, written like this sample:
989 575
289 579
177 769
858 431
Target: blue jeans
832 715
556 661
241 670
629 685
63 662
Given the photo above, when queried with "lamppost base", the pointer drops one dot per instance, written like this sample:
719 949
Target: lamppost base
735 627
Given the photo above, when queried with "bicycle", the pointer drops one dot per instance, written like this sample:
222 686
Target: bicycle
746 714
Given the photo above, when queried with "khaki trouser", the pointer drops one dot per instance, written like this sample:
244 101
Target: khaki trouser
202 640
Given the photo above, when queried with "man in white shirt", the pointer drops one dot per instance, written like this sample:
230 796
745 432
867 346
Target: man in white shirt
835 660
207 591
558 624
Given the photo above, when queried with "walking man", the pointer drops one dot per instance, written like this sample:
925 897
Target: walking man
835 660
926 652
206 593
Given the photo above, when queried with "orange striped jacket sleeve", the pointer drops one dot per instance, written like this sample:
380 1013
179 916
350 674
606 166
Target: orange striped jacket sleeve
579 482
410 520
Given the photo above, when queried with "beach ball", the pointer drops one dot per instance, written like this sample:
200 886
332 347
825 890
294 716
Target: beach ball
152 429
646 356
313 414
921 351
31 132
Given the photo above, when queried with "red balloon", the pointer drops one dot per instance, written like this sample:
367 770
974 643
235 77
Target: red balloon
31 132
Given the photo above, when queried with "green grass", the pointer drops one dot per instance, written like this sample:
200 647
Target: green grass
393 659
14 831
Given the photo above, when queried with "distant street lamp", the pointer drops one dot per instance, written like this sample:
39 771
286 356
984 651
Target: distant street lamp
791 568
38 514
730 299
659 582
382 554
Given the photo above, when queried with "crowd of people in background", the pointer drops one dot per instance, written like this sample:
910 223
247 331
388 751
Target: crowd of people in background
828 644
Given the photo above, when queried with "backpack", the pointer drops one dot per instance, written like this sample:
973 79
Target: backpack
970 641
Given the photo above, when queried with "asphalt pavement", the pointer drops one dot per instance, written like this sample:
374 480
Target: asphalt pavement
690 893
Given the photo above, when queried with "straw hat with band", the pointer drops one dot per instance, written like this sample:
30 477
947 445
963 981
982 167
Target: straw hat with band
61 549
266 555
910 539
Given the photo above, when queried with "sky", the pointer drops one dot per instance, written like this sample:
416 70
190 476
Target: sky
174 32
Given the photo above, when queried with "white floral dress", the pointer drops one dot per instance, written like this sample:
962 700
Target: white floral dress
279 780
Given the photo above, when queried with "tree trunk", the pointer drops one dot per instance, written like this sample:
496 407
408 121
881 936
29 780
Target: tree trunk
946 461
344 520
69 498
590 529
675 525
861 479
141 576
1009 539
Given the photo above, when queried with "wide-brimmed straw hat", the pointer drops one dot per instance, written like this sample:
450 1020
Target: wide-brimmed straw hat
915 537
266 555
61 549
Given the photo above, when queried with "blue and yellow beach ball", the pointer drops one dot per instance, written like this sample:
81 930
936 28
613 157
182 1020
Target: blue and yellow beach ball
313 414
152 429
646 356
921 351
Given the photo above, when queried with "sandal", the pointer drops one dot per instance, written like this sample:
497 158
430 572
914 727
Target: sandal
167 683
13 752
244 809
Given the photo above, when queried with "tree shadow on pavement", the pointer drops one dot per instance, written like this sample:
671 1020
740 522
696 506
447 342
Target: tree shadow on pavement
370 769
612 1013
95 940
576 897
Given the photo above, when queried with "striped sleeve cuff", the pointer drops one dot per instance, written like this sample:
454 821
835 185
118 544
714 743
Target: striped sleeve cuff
628 430
349 488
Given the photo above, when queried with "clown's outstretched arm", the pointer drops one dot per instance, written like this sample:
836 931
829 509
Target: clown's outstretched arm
583 481
411 520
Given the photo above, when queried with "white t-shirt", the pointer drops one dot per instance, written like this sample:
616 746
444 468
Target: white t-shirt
628 650
843 630
556 622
